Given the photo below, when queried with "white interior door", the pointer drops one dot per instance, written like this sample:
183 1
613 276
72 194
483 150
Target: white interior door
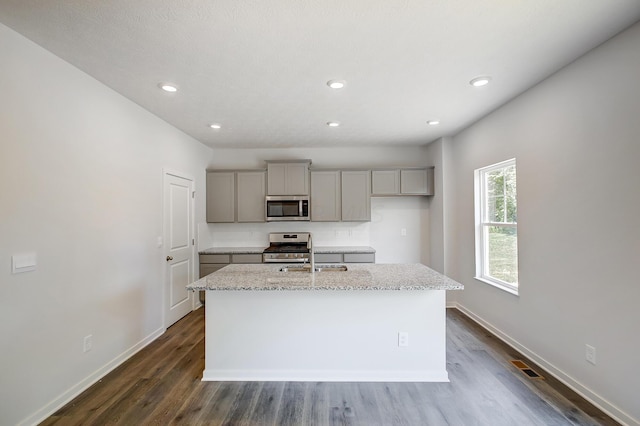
178 243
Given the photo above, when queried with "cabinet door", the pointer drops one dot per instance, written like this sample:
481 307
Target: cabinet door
251 193
325 196
208 268
297 179
246 258
276 177
215 258
328 258
288 178
414 182
221 196
359 258
356 196
385 182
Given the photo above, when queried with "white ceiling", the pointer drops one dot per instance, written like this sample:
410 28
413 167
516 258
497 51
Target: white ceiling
259 68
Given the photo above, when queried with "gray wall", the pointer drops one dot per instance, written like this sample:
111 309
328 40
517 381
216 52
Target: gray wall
576 140
81 175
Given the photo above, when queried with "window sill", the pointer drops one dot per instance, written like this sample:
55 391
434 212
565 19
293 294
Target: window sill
507 288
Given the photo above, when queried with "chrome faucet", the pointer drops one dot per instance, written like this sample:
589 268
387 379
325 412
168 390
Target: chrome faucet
312 259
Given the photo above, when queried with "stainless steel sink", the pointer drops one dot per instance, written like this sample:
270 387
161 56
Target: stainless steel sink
307 269
331 268
295 269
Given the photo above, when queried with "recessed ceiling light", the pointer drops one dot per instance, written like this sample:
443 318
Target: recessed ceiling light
433 122
480 81
336 84
215 126
333 123
168 87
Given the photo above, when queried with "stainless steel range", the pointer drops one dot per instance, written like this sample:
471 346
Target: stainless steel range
287 247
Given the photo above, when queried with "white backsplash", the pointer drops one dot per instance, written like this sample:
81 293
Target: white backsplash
389 216
257 234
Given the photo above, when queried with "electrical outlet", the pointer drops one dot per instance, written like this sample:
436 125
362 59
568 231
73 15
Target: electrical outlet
403 232
590 354
403 338
88 343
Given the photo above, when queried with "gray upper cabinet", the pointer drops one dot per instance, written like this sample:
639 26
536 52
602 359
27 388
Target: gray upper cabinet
288 178
356 196
221 197
326 196
416 181
239 195
402 182
251 188
236 196
385 182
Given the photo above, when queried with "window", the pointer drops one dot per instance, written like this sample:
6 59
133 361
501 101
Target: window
496 226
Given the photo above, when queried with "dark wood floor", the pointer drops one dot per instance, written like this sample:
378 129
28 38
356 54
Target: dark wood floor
161 385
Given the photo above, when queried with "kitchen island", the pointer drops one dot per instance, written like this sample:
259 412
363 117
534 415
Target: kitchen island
266 325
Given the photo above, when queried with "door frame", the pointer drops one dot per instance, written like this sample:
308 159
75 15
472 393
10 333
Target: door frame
165 173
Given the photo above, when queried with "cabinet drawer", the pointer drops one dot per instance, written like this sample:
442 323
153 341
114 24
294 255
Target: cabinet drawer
359 258
328 258
215 258
207 268
246 258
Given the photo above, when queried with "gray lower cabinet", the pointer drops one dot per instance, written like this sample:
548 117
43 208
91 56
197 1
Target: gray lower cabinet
359 258
328 257
246 258
326 205
345 257
212 262
356 196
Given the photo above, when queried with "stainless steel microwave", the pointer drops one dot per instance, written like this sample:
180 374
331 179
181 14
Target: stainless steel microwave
286 207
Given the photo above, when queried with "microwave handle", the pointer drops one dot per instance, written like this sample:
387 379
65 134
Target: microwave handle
300 208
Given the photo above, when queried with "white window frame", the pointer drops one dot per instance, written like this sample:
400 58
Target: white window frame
482 257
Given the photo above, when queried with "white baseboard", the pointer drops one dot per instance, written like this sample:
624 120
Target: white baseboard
85 383
588 394
324 376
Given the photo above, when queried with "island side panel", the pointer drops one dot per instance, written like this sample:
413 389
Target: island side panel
325 336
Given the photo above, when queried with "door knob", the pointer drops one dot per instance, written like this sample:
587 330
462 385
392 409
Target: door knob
169 258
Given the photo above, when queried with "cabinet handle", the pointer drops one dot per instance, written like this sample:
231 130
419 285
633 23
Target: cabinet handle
169 258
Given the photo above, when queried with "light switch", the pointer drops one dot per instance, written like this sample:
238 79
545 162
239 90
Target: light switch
23 262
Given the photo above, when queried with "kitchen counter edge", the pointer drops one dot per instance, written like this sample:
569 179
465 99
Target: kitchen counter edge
360 276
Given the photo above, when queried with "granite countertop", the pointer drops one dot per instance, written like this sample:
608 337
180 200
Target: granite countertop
259 250
359 276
